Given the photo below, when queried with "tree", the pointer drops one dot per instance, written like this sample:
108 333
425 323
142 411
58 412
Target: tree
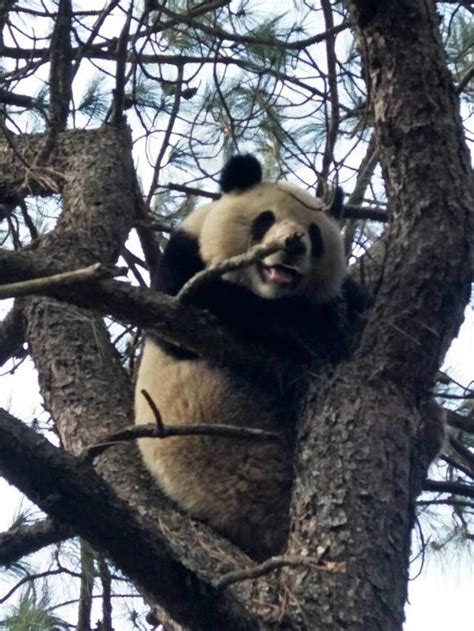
199 81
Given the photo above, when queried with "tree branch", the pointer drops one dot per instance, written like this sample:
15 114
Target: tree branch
60 76
71 492
459 421
257 253
182 325
41 285
365 213
415 203
465 80
19 155
116 117
23 540
453 488
87 587
165 431
20 100
463 451
343 491
12 334
275 563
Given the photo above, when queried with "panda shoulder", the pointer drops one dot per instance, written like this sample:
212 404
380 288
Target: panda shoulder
193 223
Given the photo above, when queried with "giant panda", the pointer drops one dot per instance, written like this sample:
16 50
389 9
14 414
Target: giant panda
239 486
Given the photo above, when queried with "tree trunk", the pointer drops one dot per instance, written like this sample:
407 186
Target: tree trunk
361 459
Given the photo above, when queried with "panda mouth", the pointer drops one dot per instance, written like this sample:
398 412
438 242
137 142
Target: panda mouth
280 274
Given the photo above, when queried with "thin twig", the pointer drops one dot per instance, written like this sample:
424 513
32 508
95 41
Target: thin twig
459 421
465 80
453 488
119 91
275 563
469 394
364 212
26 579
190 190
92 272
445 502
256 253
252 40
153 431
156 413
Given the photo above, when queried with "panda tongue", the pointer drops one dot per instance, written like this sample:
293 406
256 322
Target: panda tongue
278 275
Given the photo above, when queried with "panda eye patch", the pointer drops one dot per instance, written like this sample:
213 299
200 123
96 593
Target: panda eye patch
262 224
317 243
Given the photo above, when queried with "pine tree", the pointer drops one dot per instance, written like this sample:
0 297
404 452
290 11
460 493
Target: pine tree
115 123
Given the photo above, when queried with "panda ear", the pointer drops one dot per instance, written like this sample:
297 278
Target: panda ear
336 207
240 172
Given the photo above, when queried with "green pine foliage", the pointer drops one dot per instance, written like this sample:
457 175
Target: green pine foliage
95 101
32 613
458 34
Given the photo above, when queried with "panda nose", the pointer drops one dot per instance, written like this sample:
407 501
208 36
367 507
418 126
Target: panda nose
296 249
294 254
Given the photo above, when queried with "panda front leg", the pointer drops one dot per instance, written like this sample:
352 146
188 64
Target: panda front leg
180 262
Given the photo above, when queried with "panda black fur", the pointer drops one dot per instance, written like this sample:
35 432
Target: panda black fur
240 487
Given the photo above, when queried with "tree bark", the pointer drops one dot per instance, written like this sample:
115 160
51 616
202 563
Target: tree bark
359 467
23 540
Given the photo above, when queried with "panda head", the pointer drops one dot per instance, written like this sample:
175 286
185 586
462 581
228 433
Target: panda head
252 212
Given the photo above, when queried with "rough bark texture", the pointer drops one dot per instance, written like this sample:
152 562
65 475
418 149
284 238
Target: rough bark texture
359 467
25 169
69 345
23 540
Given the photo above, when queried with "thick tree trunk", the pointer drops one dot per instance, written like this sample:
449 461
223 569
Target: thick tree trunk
81 380
360 467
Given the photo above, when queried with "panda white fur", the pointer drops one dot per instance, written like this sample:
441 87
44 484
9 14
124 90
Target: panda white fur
240 487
